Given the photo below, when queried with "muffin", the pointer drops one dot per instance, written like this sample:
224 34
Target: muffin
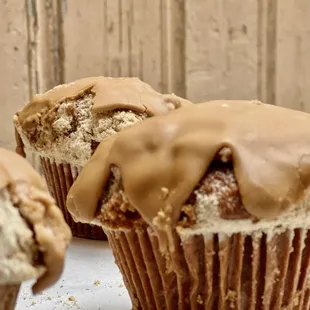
206 207
64 126
34 236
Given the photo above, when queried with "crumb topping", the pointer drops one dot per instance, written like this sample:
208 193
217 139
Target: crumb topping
220 182
71 133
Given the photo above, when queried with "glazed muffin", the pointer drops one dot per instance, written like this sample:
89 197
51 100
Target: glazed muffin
64 126
207 207
34 236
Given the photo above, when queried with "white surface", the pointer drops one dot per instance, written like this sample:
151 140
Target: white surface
87 262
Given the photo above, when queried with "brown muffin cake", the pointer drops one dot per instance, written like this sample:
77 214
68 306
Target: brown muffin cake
64 126
206 207
33 234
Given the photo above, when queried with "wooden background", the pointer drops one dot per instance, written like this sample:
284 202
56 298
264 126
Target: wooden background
199 49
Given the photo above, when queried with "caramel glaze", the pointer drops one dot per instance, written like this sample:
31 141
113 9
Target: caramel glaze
14 170
270 153
109 94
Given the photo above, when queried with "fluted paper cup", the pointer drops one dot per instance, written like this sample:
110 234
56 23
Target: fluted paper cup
215 271
8 296
59 178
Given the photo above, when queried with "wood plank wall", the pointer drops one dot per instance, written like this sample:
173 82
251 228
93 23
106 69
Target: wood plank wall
199 49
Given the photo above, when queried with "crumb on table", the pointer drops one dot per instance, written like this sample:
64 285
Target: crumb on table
72 298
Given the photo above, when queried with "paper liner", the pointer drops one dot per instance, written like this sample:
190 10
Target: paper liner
8 296
216 271
59 179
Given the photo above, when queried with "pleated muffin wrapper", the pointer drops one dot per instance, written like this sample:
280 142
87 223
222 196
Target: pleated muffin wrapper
8 296
59 178
215 270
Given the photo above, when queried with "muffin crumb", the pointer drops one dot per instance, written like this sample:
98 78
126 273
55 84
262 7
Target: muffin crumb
162 220
188 216
199 300
72 298
225 154
232 298
165 193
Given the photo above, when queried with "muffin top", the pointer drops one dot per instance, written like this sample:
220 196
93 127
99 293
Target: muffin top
34 236
88 110
163 159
